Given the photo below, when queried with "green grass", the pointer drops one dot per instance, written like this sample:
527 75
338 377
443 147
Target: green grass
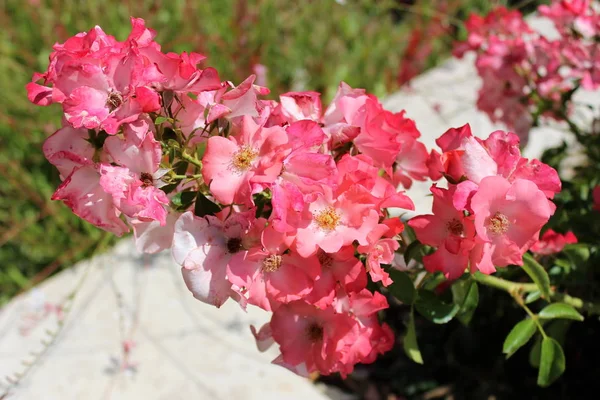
304 44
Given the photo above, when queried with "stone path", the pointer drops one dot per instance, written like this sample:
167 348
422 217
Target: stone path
182 349
179 347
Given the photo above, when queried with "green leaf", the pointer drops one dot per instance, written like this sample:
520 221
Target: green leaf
532 296
431 281
557 330
578 253
560 310
411 347
205 207
434 309
409 233
160 120
537 273
413 252
518 336
552 362
169 188
536 352
466 294
183 200
403 288
180 167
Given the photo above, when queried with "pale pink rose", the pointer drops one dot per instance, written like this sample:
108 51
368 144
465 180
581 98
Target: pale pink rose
314 338
336 220
272 278
509 216
203 247
253 156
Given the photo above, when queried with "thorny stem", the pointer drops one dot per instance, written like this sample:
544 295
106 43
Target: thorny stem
195 176
191 159
516 289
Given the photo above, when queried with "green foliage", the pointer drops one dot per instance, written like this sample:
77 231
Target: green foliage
465 293
434 308
183 200
538 274
519 336
560 310
403 288
204 206
552 363
410 345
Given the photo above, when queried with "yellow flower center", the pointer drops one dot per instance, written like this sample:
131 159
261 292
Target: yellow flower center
271 263
242 159
498 224
328 219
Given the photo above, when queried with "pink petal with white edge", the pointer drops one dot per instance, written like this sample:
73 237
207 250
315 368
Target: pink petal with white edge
476 161
192 232
68 149
86 107
151 237
139 158
81 192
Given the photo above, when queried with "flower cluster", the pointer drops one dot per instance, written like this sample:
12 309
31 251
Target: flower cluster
494 207
278 204
282 205
526 75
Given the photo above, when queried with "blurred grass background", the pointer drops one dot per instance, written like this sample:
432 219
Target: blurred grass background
305 45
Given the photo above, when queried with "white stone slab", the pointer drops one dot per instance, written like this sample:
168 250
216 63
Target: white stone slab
184 349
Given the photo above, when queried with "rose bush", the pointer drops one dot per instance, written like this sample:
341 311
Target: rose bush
291 206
